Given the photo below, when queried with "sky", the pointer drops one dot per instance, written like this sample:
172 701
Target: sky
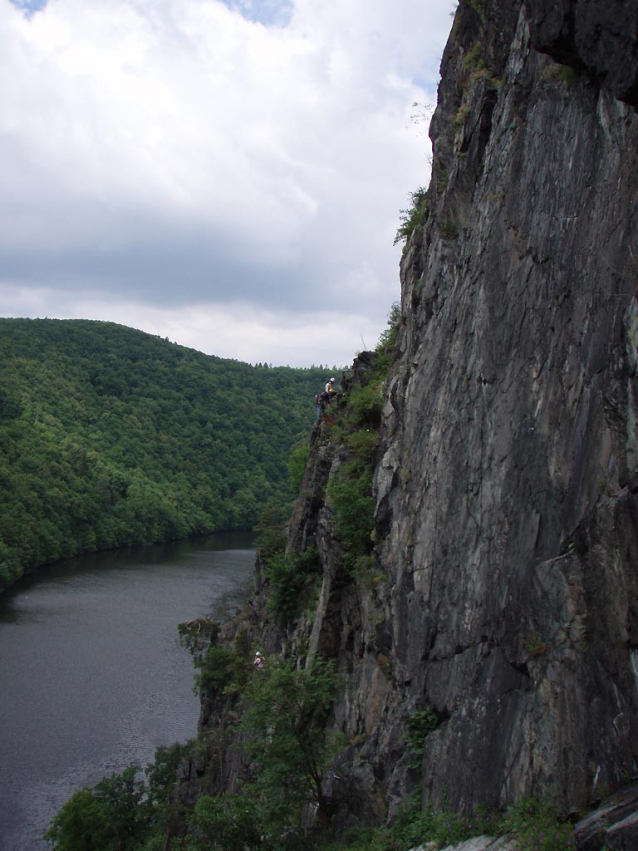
228 175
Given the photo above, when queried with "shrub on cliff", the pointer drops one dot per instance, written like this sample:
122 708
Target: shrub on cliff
271 537
414 216
297 466
350 495
292 581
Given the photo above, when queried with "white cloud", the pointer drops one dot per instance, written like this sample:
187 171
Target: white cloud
176 152
236 330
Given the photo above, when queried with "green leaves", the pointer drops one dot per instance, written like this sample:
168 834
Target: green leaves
297 465
113 816
291 581
414 216
112 437
350 494
420 724
227 823
285 709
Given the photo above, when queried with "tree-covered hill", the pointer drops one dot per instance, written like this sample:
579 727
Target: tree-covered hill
110 436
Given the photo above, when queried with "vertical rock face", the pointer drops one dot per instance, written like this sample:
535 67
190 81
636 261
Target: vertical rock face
505 593
508 488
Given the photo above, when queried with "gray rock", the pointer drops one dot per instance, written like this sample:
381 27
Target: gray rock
601 38
507 518
613 825
505 590
484 843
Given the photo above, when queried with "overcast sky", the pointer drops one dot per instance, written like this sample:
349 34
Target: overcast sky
225 174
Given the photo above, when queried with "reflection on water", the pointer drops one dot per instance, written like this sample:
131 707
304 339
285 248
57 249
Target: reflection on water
92 676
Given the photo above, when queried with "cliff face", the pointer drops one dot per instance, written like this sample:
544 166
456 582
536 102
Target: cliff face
506 507
508 486
505 595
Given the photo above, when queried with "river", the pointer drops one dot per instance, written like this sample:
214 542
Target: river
92 675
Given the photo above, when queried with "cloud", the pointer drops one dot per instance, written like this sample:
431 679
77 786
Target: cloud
175 153
238 330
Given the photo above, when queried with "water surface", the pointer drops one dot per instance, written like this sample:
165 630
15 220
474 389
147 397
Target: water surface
92 676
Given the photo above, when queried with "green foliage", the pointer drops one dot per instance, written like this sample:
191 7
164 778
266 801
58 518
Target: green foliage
292 580
474 57
350 494
533 823
122 812
363 443
362 408
365 406
81 825
420 724
218 669
281 574
365 839
271 537
161 774
537 827
462 114
228 822
197 635
448 229
446 827
384 351
388 338
414 217
565 74
112 437
569 76
442 176
297 465
285 710
113 816
349 490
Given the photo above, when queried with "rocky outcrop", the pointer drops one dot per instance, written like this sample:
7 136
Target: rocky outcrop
505 591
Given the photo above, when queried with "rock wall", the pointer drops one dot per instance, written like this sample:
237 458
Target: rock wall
508 488
505 593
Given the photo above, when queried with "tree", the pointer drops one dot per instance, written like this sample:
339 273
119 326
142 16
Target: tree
81 825
228 822
286 710
113 816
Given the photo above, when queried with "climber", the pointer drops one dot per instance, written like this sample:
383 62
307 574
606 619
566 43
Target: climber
323 399
258 661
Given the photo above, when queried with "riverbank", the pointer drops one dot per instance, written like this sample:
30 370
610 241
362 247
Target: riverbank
95 676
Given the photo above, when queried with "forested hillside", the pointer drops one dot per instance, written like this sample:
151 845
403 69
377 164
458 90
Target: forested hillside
110 437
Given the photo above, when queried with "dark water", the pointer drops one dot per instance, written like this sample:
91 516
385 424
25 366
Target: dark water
92 676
